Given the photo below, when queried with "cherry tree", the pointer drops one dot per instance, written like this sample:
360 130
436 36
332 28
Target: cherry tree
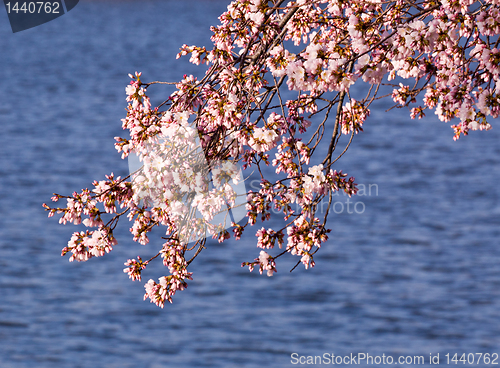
279 81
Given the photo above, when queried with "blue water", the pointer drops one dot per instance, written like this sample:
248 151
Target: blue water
416 273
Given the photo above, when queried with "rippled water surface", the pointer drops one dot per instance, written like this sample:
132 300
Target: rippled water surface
416 273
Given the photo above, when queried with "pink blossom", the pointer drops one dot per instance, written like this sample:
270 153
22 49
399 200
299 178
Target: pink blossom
190 145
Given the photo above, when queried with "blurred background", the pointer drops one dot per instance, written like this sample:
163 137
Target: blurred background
412 270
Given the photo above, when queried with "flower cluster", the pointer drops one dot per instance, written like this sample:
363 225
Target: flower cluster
87 244
164 290
265 263
134 268
173 257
